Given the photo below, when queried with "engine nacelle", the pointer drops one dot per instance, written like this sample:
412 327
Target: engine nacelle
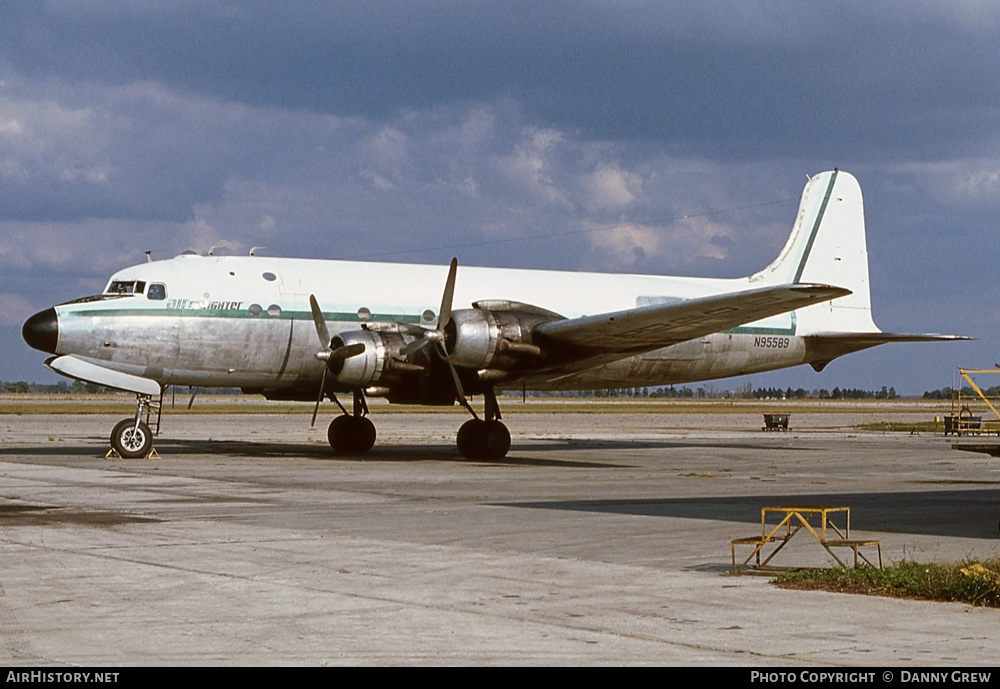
372 365
494 335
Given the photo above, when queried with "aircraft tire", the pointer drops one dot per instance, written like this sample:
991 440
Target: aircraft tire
363 434
478 439
339 434
469 438
495 441
131 442
351 434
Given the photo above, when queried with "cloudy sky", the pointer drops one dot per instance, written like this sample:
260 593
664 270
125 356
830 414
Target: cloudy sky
666 138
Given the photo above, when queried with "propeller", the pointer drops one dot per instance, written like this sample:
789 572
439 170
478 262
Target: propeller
424 338
435 337
328 354
427 337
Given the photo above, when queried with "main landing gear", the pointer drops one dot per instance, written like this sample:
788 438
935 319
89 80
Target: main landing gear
478 438
485 438
351 434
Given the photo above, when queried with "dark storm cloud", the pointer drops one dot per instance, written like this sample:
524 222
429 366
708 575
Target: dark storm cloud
728 80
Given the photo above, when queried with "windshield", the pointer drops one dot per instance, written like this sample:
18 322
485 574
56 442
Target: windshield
126 287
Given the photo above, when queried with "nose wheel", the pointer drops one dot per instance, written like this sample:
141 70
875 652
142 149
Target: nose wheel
131 439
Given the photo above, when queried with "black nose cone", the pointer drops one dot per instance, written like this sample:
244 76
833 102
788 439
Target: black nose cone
41 331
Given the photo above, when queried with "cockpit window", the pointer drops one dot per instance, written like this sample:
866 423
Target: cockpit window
126 287
157 291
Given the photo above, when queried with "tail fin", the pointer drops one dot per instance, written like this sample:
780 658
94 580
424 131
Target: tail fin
827 246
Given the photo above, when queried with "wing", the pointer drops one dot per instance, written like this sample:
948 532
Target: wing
651 327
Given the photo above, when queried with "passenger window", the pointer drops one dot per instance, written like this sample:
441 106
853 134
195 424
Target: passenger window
157 291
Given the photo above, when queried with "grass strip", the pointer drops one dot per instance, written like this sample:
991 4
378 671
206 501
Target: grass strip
972 582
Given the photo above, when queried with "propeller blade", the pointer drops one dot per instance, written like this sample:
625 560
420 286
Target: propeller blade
321 329
454 374
426 339
414 347
428 336
444 313
322 387
347 351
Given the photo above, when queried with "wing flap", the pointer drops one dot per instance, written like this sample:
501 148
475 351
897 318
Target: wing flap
661 325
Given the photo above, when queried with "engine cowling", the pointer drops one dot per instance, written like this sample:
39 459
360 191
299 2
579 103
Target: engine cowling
494 335
373 364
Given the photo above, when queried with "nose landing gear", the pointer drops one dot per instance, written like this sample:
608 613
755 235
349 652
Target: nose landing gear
133 438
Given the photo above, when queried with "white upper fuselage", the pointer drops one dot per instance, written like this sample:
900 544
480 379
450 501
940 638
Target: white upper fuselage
245 321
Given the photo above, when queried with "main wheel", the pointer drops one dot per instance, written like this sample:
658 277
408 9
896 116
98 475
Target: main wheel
364 434
351 434
131 441
495 440
478 439
469 438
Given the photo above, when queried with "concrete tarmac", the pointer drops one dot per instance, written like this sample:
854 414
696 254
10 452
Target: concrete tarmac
600 540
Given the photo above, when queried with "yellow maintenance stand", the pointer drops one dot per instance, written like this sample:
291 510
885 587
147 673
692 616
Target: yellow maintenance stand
790 521
964 421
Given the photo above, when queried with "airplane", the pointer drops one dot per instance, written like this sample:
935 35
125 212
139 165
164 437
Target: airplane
308 329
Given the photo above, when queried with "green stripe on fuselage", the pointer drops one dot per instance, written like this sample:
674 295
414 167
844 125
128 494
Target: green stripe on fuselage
242 314
764 330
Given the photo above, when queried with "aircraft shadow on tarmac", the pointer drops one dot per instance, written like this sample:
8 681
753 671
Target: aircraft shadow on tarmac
380 453
963 513
179 449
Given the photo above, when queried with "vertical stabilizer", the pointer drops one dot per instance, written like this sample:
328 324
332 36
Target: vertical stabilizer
827 245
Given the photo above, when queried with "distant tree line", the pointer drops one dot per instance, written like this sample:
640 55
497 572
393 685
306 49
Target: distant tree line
63 387
711 392
706 391
823 394
949 393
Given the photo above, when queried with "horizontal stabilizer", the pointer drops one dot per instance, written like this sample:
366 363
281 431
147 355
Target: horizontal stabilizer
874 339
661 325
825 347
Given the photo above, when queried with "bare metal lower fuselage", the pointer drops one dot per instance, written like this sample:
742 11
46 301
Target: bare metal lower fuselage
278 354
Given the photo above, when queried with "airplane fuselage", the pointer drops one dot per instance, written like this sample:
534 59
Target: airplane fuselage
245 321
